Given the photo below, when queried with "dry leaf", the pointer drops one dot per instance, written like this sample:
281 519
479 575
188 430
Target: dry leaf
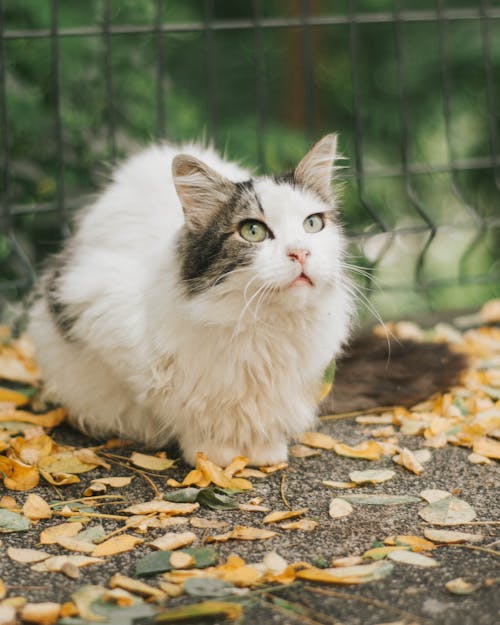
348 561
13 397
282 515
448 511
8 502
348 574
59 479
478 459
450 536
410 557
137 587
51 535
57 563
334 484
216 475
417 543
487 447
172 540
36 508
116 544
339 508
73 544
371 476
181 560
17 475
237 464
318 440
377 553
41 613
306 525
47 420
151 463
248 507
367 450
249 472
27 556
114 482
65 462
459 586
408 460
302 451
434 494
242 532
272 468
88 456
165 507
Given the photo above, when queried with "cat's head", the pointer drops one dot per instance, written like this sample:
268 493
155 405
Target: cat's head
273 239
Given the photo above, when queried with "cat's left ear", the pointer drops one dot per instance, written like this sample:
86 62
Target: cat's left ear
316 168
201 190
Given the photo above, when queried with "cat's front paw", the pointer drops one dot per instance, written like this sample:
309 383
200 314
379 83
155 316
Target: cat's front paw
264 455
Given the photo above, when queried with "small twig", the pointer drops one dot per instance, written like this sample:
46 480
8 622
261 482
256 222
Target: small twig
68 501
491 552
368 601
282 491
97 515
127 526
358 413
141 473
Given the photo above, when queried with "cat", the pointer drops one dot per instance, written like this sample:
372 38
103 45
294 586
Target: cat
198 304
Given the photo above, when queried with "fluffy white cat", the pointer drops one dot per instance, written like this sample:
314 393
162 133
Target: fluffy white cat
196 303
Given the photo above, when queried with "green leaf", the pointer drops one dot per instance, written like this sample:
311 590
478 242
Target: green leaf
207 609
380 500
329 374
13 522
113 614
159 562
92 534
216 499
184 495
207 587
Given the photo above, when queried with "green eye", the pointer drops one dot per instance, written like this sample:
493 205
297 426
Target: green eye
253 231
314 223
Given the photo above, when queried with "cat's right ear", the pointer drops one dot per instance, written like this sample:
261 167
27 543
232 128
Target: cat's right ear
201 190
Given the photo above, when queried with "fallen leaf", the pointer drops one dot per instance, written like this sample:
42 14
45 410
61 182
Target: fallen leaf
202 523
407 459
165 507
65 462
348 561
206 609
17 475
335 484
13 522
410 557
487 447
51 535
135 586
173 540
216 475
13 397
417 543
114 482
73 544
367 450
459 586
36 508
434 494
57 563
151 463
181 560
116 544
88 456
302 451
27 556
371 476
237 464
59 479
208 587
159 561
451 536
339 508
318 440
242 532
478 459
448 511
359 574
41 613
282 515
378 553
48 420
306 525
272 468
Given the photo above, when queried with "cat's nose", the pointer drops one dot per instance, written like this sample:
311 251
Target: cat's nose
298 255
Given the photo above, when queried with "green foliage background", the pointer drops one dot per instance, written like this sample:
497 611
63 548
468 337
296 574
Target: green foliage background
245 89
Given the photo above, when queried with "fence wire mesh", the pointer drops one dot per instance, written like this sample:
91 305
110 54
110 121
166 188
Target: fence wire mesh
412 86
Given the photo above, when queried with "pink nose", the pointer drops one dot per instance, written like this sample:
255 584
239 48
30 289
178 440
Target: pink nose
298 255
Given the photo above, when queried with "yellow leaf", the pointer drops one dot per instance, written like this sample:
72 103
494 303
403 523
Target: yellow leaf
133 585
163 507
151 463
377 553
51 535
216 474
237 464
40 613
36 508
114 482
306 525
487 447
47 420
59 479
18 476
181 560
367 450
242 532
173 540
13 397
417 543
302 451
30 451
282 515
318 440
65 462
116 544
408 460
272 468
88 456
27 556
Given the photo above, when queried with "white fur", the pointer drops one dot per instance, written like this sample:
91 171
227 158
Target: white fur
234 370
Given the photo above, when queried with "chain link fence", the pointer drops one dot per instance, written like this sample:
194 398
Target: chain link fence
412 87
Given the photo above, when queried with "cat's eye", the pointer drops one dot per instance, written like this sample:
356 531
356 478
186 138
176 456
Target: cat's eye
314 223
253 231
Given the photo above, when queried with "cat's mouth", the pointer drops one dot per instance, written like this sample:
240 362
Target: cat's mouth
301 279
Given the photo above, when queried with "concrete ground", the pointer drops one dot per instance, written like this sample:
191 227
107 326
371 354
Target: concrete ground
409 595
